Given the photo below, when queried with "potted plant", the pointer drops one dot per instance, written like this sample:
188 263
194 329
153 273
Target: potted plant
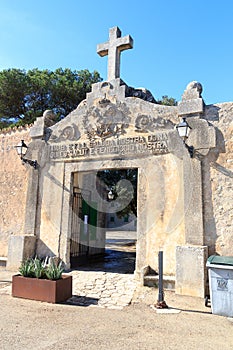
41 281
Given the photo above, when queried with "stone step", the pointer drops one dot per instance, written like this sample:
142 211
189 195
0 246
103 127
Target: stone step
153 281
3 261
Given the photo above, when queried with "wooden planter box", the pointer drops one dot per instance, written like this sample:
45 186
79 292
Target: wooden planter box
42 289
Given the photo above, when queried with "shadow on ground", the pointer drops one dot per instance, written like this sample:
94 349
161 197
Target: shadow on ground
114 261
77 300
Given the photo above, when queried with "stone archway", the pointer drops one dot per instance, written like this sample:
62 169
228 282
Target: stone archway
118 127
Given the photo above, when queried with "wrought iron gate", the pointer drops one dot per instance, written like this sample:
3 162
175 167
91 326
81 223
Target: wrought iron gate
79 245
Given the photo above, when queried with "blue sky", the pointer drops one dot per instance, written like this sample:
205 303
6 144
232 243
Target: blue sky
175 42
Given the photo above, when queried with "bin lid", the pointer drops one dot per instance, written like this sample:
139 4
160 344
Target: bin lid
220 260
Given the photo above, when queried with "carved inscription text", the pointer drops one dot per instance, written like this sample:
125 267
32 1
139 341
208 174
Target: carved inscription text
138 145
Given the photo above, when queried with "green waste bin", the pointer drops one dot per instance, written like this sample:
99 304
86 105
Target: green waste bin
220 270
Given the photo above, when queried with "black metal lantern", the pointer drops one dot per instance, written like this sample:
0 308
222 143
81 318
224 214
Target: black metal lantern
22 150
184 129
110 195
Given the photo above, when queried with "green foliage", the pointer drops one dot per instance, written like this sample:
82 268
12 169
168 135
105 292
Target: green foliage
111 178
167 101
4 124
36 268
25 95
39 269
13 90
53 271
27 268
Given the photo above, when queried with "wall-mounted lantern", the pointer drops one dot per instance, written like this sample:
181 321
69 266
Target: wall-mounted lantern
184 130
110 195
21 150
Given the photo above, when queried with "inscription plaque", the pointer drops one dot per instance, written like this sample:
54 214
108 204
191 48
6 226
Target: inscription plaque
139 145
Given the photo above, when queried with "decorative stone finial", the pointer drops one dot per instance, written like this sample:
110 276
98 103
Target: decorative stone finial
49 118
42 123
192 102
49 113
194 85
193 90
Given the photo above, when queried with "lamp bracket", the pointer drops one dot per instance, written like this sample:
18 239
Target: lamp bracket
33 163
190 150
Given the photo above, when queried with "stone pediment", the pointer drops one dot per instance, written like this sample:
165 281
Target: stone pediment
119 121
110 126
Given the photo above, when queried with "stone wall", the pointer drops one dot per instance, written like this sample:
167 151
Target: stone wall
217 174
219 170
164 211
13 185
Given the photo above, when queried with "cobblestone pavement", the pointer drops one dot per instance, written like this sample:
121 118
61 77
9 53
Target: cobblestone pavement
110 290
103 289
109 283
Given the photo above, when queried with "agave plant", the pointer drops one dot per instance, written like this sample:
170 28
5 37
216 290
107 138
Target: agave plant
53 271
40 269
27 268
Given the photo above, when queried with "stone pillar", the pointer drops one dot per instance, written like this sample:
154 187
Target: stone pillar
141 226
193 207
191 258
191 274
31 203
19 249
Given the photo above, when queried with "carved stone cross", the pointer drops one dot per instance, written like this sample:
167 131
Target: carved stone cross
113 49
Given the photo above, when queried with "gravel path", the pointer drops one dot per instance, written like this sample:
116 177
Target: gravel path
27 325
97 317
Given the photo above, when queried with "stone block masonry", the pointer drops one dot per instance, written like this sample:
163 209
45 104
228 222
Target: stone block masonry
219 196
13 186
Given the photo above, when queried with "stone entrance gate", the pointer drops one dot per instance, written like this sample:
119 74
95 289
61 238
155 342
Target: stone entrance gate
120 127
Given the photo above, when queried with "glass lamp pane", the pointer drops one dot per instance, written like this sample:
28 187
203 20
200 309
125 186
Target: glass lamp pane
24 148
182 130
24 151
19 149
188 129
110 195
